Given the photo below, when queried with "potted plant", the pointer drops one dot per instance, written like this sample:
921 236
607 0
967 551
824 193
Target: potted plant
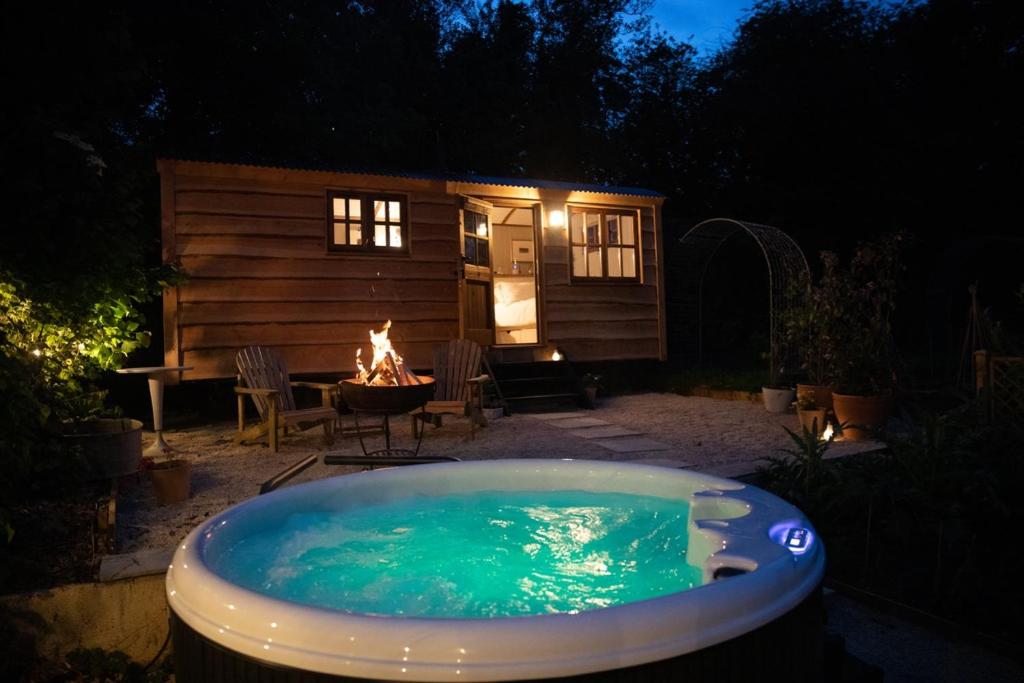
107 444
777 397
492 407
812 415
806 327
591 385
859 329
171 478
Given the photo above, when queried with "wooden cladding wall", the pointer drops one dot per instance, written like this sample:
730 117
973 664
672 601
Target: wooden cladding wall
604 321
253 245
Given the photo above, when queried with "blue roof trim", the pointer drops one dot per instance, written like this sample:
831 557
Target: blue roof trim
451 177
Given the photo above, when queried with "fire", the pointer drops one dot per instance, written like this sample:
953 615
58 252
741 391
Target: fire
387 368
827 434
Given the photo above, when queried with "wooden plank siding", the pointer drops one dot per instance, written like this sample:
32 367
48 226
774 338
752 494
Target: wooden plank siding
253 243
604 321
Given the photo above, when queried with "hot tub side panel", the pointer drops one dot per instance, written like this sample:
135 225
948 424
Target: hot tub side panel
789 648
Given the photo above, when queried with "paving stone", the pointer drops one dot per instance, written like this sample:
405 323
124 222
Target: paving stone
129 565
556 416
632 444
604 432
662 462
577 422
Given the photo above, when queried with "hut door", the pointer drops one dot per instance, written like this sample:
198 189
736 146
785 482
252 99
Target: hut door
476 287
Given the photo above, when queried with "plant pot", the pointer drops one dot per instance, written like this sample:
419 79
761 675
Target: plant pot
111 447
819 393
591 393
862 414
493 413
172 480
812 420
777 399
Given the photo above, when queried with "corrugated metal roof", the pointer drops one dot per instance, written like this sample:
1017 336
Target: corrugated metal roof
447 176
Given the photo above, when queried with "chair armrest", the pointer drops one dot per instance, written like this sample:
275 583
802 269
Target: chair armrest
479 380
315 385
256 391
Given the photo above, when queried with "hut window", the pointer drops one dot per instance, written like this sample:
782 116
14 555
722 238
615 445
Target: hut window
605 245
367 222
476 238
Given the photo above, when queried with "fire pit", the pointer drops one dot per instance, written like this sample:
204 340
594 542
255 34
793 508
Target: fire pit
387 388
386 399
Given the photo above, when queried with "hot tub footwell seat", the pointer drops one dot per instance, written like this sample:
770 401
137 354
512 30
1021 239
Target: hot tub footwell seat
789 648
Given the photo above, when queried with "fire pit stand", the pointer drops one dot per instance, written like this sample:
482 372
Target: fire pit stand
385 401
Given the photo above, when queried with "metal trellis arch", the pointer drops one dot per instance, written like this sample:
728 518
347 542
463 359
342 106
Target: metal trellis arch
786 265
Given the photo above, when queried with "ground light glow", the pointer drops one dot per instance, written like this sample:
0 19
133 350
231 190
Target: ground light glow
476 555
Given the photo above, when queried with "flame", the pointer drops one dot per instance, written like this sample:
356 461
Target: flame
386 366
827 434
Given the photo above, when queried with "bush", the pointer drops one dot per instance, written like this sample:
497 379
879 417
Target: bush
918 522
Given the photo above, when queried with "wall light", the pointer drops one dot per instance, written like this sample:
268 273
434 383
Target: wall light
556 218
557 355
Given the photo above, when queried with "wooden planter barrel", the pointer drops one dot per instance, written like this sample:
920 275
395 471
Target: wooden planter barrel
111 447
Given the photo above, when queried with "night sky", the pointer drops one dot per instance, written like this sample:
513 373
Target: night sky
711 23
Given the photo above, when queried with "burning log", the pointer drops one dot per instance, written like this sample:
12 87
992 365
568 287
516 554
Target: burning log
387 368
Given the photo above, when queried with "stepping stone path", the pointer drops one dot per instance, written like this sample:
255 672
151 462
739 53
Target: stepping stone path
607 435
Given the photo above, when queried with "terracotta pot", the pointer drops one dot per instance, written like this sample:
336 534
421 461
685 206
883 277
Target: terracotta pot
111 447
862 414
812 420
819 393
777 399
172 480
591 394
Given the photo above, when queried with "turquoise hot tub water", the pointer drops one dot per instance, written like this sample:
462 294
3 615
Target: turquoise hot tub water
481 554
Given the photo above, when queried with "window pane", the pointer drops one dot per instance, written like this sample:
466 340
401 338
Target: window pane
380 234
355 209
629 263
482 255
577 227
396 235
339 234
593 228
594 268
339 207
394 211
470 249
614 264
613 229
355 233
628 229
378 210
579 260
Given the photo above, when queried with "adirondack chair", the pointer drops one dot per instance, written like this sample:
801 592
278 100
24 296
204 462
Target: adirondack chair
263 375
458 386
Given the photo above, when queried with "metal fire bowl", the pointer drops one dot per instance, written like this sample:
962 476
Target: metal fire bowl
386 400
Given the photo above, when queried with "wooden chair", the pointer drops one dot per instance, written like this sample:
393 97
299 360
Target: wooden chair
263 375
458 386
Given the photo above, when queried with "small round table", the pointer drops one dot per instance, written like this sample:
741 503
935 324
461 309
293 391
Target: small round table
155 375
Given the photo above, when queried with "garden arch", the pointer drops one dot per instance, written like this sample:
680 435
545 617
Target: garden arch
786 265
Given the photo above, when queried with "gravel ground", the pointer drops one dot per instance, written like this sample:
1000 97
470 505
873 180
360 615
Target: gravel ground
702 433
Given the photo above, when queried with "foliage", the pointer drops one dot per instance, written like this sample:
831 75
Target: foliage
591 380
800 474
914 522
843 326
806 403
95 665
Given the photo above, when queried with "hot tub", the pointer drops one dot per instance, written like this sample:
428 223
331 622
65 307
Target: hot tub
752 610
